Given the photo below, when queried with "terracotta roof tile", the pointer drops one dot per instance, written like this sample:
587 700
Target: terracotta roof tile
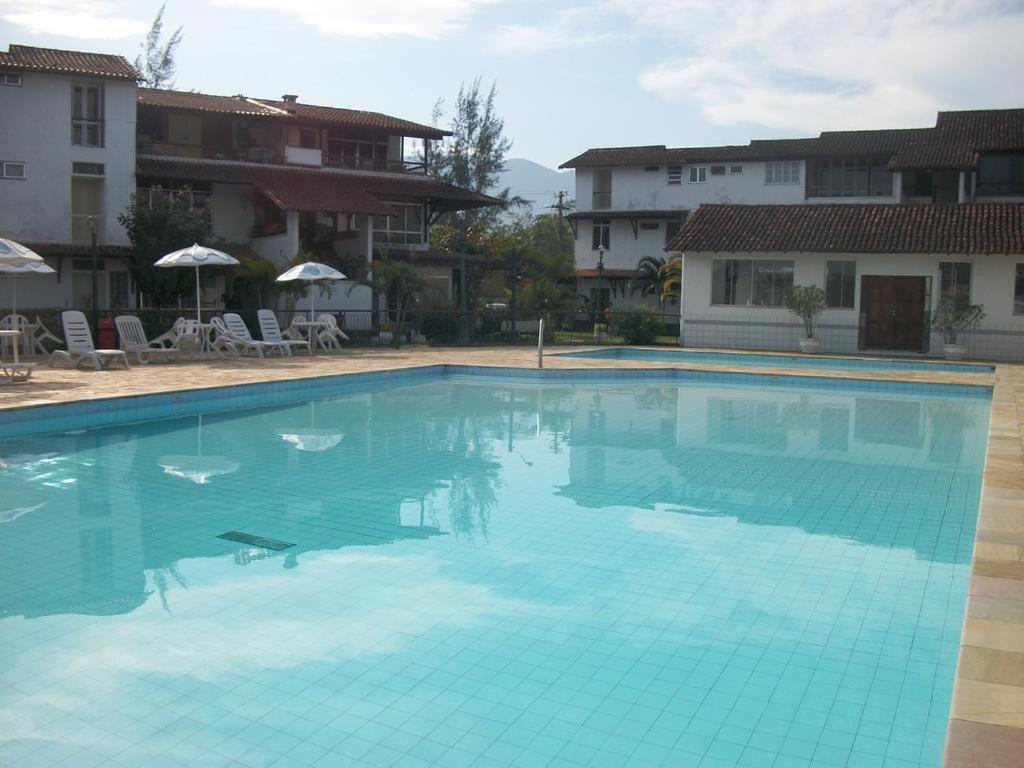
970 228
284 110
608 274
315 189
68 62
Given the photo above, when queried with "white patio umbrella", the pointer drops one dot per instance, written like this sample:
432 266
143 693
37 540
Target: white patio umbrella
197 256
15 254
311 272
22 270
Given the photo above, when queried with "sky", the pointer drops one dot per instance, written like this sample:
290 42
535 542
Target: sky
582 74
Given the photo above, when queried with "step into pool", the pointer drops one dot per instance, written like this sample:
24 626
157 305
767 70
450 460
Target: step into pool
784 361
449 570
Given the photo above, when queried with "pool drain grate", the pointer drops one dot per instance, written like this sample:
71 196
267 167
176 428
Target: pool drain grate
255 541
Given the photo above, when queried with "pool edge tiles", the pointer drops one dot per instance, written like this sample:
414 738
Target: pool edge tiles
986 721
100 412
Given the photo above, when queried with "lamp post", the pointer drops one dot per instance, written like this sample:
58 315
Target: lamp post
600 280
93 267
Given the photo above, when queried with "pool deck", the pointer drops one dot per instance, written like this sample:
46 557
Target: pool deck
987 713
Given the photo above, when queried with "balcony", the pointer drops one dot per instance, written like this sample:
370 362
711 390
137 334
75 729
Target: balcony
374 164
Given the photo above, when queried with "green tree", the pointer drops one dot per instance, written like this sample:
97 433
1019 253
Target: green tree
400 284
156 63
155 229
650 278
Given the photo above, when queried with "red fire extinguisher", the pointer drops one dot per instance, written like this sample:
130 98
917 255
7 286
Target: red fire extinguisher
107 336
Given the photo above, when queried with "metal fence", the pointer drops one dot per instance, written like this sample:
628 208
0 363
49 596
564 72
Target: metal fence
442 327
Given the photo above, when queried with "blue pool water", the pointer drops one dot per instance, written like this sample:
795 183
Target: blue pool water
787 361
494 572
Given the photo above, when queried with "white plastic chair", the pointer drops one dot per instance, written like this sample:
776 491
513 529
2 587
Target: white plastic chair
18 323
271 332
80 348
133 340
329 334
238 333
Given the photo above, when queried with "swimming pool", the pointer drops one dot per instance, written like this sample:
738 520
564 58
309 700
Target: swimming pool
786 361
495 571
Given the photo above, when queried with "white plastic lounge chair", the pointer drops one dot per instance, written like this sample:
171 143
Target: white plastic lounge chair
330 335
133 340
169 339
271 332
238 333
41 333
221 341
80 349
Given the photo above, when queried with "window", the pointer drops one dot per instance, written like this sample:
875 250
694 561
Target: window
269 220
602 189
840 282
87 169
698 174
86 205
671 230
751 282
955 280
735 169
602 234
718 170
782 173
675 174
10 78
13 170
403 227
650 225
1001 174
87 115
1018 290
849 177
309 138
119 290
652 168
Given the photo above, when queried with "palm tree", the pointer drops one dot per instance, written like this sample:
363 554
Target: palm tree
399 282
671 274
649 279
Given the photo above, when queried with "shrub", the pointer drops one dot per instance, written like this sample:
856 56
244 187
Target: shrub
641 326
953 316
806 302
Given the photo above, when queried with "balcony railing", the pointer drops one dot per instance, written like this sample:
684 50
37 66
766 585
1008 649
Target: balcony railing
276 156
374 164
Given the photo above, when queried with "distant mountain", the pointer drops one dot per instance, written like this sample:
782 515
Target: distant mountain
536 183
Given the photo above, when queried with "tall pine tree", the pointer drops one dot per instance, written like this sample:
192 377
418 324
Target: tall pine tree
157 60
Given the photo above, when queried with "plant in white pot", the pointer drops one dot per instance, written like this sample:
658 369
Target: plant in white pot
807 302
951 318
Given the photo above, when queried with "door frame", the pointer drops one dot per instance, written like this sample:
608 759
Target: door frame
862 321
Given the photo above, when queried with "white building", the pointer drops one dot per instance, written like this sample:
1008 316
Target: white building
67 149
883 268
632 200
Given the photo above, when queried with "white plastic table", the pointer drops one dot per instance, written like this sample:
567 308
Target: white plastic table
18 371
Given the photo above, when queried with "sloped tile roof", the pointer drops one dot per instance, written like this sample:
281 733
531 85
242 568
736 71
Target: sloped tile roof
953 143
968 228
284 110
608 274
68 62
56 250
310 189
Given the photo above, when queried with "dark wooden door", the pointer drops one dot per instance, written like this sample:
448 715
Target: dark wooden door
894 312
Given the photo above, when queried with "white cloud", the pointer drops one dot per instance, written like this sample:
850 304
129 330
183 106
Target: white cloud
381 18
72 19
567 28
834 64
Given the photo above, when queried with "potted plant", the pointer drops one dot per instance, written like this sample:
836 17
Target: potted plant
952 316
807 302
600 330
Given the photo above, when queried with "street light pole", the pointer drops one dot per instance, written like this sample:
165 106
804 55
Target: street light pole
93 267
600 280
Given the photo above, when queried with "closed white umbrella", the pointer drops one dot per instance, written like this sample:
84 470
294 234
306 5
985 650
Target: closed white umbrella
197 256
311 272
15 254
21 270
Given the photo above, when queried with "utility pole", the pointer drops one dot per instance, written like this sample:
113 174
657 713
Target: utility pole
561 206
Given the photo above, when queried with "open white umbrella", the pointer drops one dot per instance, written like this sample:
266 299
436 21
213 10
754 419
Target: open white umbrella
21 270
197 256
311 272
15 254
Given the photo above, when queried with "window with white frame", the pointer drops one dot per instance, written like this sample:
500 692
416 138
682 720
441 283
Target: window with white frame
601 236
735 169
675 175
86 208
840 284
698 174
650 225
718 170
119 289
87 169
786 172
87 115
10 78
13 169
403 227
955 280
751 282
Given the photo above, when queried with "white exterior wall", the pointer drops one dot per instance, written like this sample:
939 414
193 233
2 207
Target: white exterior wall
36 130
233 216
1001 335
